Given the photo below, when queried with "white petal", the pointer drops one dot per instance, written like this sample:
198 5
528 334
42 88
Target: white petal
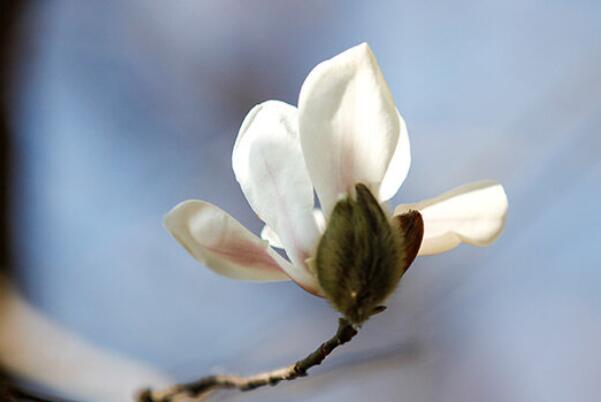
274 240
348 123
320 220
269 165
271 236
474 214
221 243
399 165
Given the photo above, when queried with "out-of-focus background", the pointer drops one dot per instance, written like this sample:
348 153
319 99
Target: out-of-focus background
118 110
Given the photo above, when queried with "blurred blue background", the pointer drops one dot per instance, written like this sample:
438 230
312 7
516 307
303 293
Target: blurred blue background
123 109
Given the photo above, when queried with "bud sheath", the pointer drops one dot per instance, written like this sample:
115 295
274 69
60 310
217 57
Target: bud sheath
362 254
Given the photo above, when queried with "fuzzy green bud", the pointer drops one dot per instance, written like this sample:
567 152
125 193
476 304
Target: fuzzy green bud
362 254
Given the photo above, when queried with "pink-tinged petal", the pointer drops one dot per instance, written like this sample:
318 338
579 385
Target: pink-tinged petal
269 165
474 214
399 165
349 125
221 243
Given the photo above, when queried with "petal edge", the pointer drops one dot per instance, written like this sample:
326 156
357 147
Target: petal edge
220 242
270 167
474 214
348 124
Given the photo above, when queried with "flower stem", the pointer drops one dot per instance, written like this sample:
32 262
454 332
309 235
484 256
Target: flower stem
202 387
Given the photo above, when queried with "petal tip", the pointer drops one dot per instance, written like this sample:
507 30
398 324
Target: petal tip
177 211
363 47
474 214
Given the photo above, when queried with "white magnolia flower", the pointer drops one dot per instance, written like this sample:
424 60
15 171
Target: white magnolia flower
346 130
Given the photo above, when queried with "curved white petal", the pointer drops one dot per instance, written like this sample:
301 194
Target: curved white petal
474 214
269 165
348 123
399 164
221 243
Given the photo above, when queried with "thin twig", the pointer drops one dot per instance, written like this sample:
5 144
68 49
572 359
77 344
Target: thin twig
202 387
